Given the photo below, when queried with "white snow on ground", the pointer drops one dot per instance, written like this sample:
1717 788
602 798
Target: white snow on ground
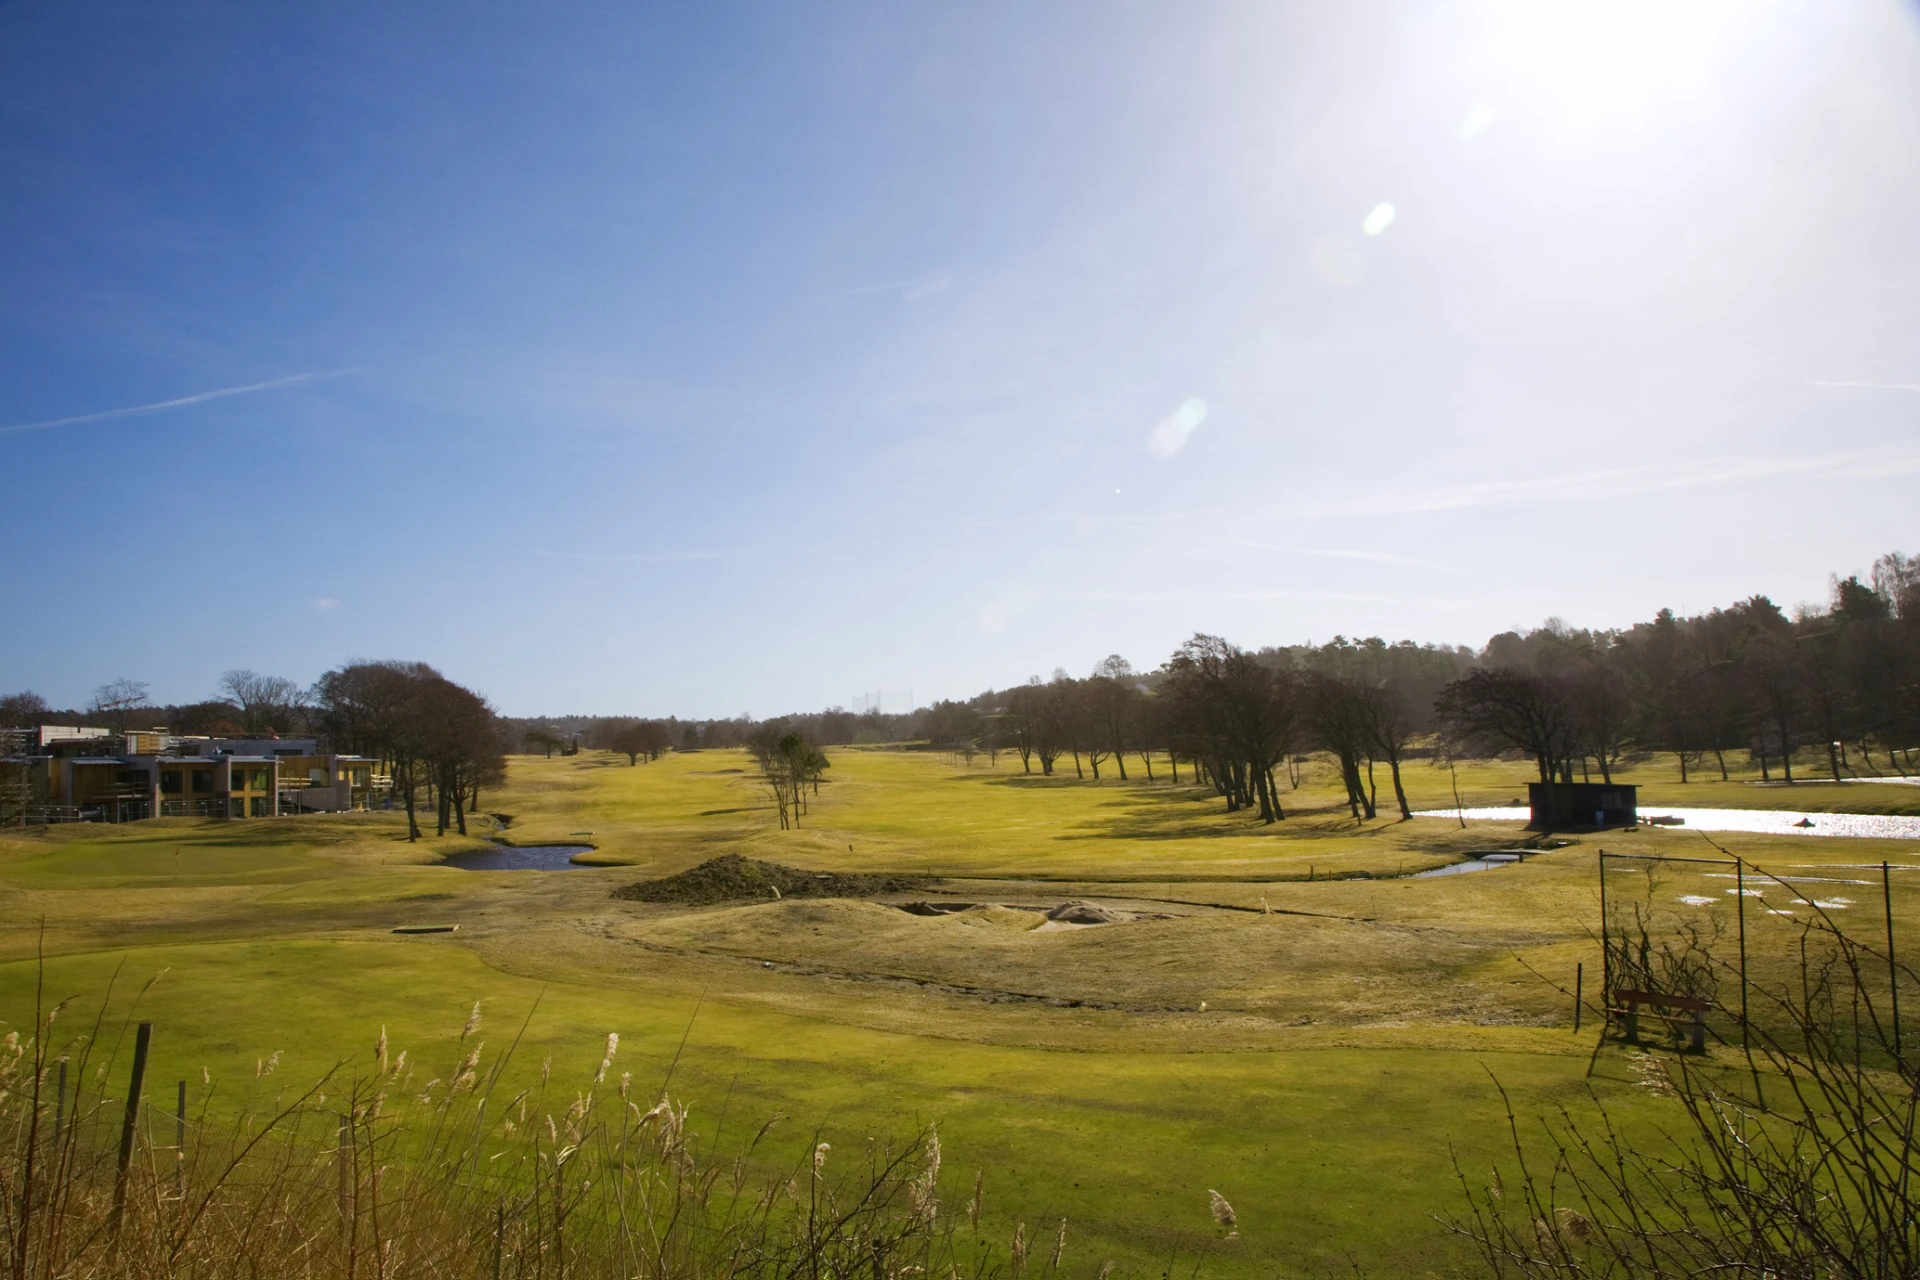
1775 822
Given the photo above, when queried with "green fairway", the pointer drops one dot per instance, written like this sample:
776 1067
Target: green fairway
1313 1054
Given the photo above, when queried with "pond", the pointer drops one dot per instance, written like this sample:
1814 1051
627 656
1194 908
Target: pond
531 857
1774 822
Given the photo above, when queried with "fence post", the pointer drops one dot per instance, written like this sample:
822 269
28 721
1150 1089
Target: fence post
180 1144
1893 969
142 1039
1579 974
1606 954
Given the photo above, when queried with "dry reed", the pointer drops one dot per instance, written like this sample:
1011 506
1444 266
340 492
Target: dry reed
367 1173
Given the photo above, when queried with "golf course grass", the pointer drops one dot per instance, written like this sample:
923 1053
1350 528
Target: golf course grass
1283 1017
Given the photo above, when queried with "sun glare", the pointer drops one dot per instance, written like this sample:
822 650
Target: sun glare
1591 65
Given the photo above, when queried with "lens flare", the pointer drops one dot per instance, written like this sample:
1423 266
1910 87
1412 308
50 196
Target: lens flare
1170 436
1479 119
1378 219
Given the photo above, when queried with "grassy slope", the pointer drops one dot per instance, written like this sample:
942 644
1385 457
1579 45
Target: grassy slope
1341 1051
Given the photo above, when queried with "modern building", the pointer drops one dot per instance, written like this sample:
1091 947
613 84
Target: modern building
71 773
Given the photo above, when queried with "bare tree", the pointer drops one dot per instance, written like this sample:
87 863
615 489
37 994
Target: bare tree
1238 714
25 709
1498 707
267 704
790 763
118 701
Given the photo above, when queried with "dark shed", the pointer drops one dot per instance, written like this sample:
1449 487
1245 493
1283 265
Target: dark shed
1582 804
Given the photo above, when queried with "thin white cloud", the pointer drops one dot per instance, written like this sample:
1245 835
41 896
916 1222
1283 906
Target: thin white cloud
326 604
1609 484
1375 557
159 406
909 290
1212 597
1872 386
639 557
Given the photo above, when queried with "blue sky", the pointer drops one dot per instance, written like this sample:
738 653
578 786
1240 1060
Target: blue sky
707 359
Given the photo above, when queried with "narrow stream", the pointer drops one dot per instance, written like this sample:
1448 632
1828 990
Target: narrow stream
1482 863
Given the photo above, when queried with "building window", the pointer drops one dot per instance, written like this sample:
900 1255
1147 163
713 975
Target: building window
360 777
236 807
170 782
259 806
203 780
260 780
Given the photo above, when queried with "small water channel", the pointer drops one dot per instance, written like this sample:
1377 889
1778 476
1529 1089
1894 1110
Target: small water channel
1774 822
1481 862
530 857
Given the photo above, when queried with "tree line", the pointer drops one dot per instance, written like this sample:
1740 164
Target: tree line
1837 686
1843 681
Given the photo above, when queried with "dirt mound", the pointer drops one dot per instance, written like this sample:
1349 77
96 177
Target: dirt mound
1083 913
732 878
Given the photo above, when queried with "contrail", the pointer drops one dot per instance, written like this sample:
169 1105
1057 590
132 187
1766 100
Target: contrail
160 405
1875 386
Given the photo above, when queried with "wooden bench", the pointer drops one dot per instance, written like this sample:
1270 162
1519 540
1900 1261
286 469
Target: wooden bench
1681 1011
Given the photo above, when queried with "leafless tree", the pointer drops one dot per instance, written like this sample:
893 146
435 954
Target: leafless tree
118 701
790 763
25 709
1240 715
1499 707
267 704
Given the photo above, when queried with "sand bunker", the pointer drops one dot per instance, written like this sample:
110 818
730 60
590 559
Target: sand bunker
733 878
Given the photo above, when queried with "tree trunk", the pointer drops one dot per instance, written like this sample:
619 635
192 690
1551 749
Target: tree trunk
1146 758
1399 792
1078 772
460 810
1786 753
1350 775
1833 757
1721 756
413 822
1683 767
1120 760
1373 791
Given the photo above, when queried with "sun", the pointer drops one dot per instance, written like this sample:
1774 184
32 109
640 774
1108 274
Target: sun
1595 65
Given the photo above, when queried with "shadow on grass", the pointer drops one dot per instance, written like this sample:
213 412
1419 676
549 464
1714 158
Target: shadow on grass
1141 810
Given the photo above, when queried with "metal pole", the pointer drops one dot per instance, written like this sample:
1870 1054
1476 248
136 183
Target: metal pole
1579 973
1740 905
1893 970
142 1039
1606 952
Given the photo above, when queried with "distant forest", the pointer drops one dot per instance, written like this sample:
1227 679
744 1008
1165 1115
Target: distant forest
1836 689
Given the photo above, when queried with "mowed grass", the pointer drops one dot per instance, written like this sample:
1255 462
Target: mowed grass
1313 1057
